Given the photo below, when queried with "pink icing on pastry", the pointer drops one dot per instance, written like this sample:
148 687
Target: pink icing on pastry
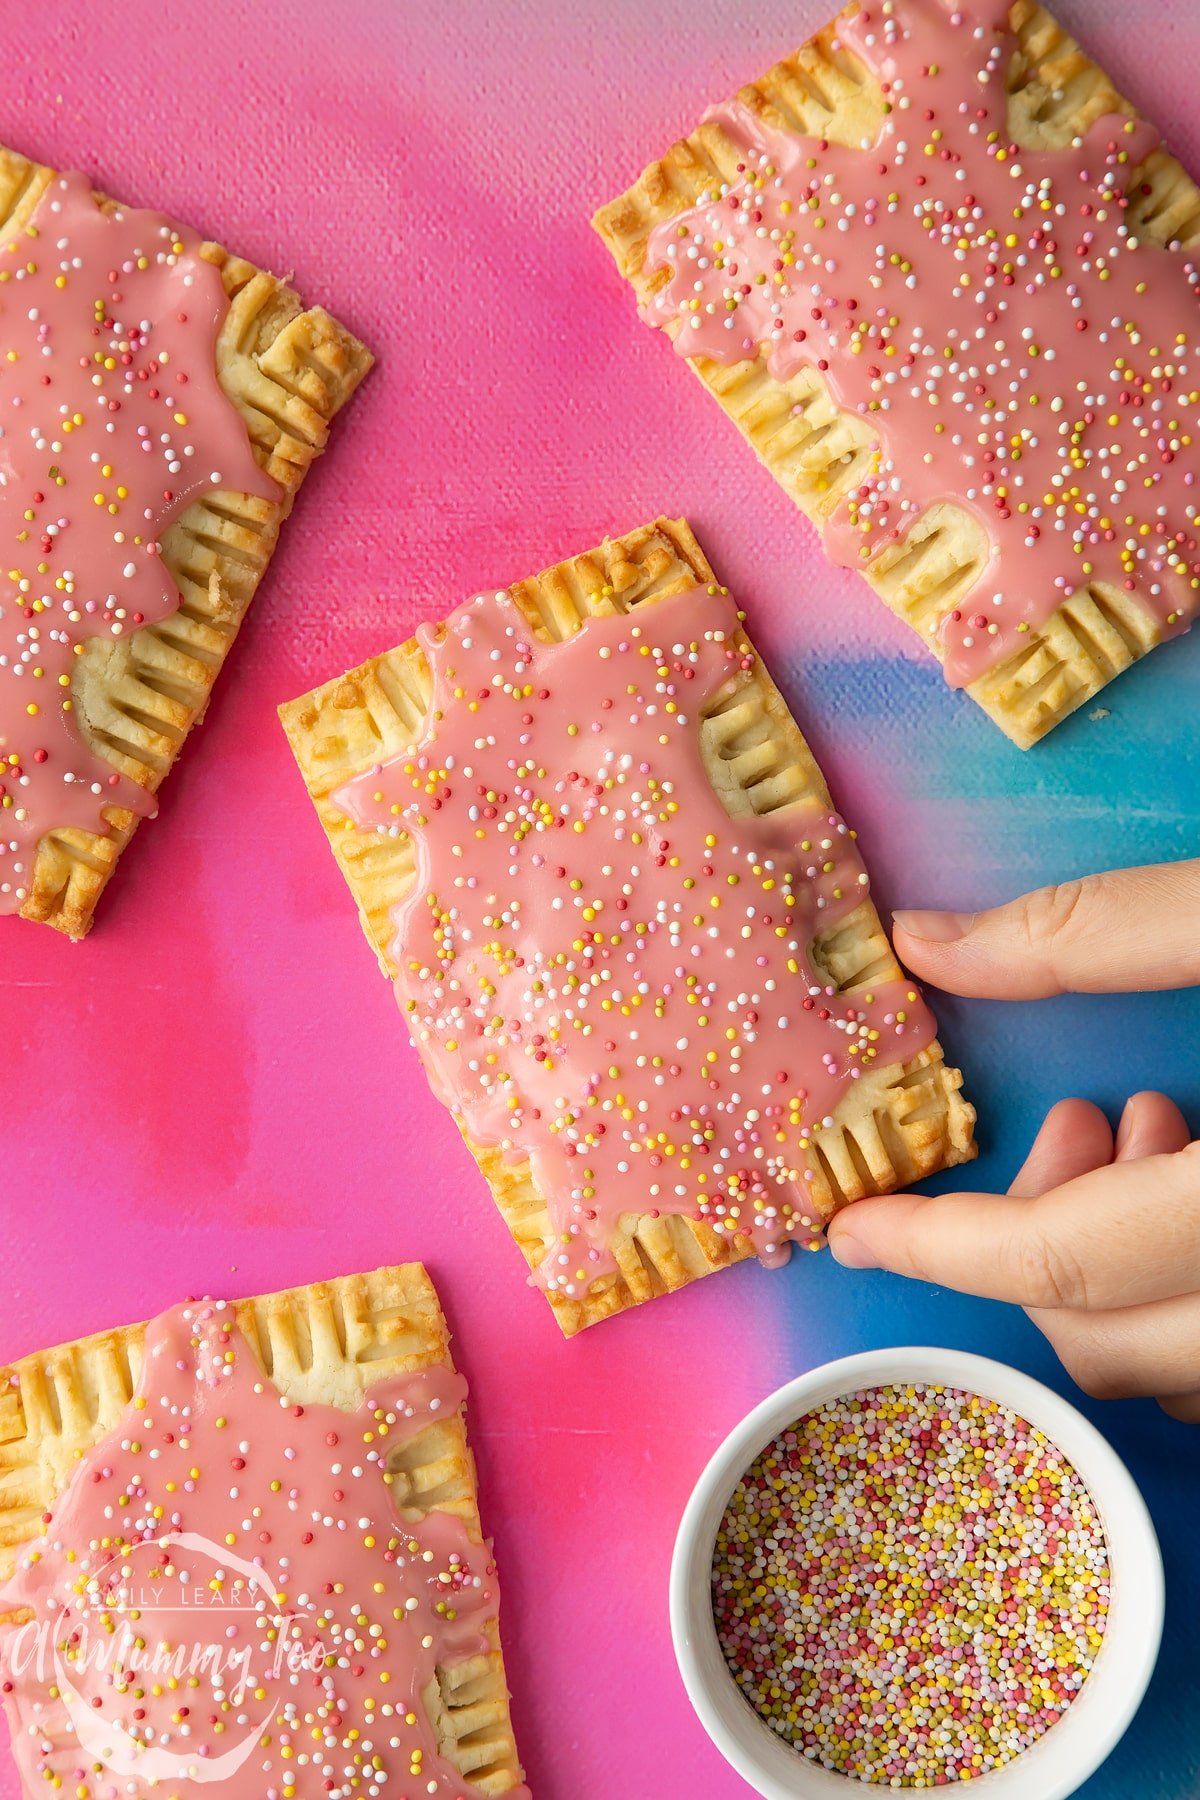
984 308
602 970
250 1548
111 422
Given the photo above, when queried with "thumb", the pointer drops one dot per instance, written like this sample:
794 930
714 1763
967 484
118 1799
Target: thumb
1133 928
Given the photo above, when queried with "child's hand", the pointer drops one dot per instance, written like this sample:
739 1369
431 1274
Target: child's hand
1100 1240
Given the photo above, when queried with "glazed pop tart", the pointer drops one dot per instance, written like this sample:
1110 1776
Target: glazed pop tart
943 277
240 1548
161 403
631 936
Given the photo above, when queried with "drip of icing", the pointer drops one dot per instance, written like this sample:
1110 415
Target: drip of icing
256 1543
111 422
984 308
602 970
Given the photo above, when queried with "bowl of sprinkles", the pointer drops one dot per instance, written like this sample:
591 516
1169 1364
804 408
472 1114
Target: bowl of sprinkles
916 1568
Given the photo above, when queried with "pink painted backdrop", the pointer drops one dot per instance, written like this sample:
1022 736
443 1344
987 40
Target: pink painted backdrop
214 1093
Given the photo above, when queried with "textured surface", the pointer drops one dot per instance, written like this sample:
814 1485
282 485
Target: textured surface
212 1093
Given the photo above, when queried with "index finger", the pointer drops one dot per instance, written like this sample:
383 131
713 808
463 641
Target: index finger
1130 929
1117 1236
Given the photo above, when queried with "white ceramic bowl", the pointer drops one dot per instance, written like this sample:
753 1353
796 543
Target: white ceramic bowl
1079 1742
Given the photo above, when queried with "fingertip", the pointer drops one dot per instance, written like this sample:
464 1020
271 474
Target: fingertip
1075 1138
1087 1127
932 956
850 1252
1078 1114
870 1233
845 1246
955 952
934 927
1151 1125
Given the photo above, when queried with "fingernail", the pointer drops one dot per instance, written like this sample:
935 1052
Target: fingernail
851 1252
1125 1127
935 927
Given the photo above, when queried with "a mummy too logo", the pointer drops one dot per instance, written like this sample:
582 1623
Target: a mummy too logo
171 1658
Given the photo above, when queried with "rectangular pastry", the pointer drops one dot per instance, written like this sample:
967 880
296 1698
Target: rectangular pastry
630 936
941 275
265 1509
160 404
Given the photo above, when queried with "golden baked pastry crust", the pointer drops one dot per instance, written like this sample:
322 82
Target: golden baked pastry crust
817 452
328 1343
896 1125
288 369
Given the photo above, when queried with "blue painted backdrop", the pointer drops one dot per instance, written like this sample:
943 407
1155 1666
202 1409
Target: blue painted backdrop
980 823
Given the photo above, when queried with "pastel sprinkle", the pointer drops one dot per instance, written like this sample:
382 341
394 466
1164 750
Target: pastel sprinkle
602 970
998 324
236 1589
97 462
910 1585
